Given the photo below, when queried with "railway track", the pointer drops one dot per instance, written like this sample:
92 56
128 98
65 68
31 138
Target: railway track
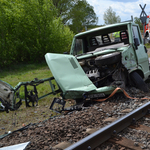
112 132
105 125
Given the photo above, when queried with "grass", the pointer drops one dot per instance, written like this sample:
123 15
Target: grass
24 72
23 116
148 48
147 45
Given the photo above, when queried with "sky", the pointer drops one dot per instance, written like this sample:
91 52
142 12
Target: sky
124 8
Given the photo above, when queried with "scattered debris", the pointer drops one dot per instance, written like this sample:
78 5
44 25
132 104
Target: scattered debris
21 146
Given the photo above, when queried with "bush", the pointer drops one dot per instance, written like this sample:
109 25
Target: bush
29 29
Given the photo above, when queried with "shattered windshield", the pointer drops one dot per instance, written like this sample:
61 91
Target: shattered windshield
101 40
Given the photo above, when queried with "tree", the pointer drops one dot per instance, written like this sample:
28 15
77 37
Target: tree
76 13
110 16
30 29
138 21
63 8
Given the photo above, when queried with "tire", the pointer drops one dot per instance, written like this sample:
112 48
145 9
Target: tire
108 59
138 81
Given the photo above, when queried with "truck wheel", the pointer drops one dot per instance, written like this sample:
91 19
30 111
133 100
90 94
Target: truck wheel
108 59
138 81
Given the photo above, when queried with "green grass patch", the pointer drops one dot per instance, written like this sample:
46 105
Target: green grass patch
147 45
22 73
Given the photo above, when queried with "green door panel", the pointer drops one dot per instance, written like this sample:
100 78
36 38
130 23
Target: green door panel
68 73
143 60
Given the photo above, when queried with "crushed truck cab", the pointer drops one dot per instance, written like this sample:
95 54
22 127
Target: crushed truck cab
98 63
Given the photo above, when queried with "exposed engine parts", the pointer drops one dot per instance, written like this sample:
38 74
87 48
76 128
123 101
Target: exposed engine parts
105 70
108 59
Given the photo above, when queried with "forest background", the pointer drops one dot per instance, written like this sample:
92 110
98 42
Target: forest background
31 28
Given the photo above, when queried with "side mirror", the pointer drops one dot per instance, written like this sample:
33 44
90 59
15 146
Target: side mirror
136 43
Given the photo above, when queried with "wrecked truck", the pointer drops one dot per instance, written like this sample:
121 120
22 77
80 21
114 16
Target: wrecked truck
97 64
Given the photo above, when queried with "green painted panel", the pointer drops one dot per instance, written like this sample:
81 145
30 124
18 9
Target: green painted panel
68 73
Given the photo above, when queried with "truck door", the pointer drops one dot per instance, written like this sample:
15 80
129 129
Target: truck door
141 52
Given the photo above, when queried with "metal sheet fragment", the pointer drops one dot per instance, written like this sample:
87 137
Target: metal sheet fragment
21 146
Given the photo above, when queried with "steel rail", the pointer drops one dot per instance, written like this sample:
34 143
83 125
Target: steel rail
95 139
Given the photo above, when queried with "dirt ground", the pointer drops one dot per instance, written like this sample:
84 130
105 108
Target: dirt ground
70 127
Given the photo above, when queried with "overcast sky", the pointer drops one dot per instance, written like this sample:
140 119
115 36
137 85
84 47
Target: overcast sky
124 8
